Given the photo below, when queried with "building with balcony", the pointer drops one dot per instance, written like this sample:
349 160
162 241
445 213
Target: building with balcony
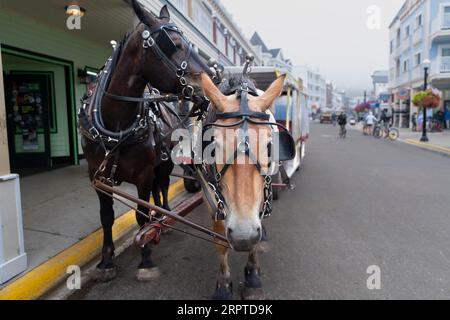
380 81
270 57
419 31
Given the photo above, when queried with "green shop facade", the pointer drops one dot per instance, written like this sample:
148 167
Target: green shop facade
47 67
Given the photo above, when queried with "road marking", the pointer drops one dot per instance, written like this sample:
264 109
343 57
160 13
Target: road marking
428 146
43 278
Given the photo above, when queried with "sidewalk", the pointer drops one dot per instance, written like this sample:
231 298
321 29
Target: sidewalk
60 208
439 141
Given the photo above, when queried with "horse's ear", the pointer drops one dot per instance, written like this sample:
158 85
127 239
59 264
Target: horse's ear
144 16
164 13
217 98
266 100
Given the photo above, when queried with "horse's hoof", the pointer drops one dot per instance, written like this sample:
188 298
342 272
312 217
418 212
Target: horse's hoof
105 275
263 247
252 293
145 275
224 293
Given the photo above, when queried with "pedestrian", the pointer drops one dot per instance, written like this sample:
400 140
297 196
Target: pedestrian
447 118
333 119
414 121
370 121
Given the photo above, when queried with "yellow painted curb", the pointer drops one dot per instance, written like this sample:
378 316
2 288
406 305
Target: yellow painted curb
44 277
428 146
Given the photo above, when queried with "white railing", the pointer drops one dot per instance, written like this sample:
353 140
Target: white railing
444 65
440 23
445 21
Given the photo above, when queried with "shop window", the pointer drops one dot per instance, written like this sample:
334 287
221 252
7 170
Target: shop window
28 89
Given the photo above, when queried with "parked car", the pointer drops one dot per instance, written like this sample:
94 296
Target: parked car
352 122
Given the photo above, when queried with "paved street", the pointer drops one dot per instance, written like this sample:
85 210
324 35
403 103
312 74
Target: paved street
358 202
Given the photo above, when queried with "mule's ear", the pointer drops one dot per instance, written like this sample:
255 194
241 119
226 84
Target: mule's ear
266 100
144 16
217 98
164 13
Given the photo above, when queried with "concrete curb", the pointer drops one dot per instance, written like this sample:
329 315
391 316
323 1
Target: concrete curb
428 146
48 275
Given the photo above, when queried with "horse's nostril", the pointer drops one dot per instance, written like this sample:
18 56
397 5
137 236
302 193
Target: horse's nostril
259 230
230 231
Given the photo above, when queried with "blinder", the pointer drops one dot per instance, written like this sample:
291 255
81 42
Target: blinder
286 146
166 43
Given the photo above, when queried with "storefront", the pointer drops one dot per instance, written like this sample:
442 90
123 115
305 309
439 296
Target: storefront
45 64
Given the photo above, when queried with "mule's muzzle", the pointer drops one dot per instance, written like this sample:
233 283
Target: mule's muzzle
244 241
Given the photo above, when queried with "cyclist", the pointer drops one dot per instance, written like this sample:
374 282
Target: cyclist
385 119
342 121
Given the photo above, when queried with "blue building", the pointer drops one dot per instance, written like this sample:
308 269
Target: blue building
420 31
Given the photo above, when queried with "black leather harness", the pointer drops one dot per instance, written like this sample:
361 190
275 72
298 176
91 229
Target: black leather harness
213 176
146 123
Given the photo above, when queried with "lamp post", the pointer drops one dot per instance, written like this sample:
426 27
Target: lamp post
426 66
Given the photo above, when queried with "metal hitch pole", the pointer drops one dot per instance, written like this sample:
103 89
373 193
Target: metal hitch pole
100 185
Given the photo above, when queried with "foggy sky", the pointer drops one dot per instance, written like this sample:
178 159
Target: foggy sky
331 35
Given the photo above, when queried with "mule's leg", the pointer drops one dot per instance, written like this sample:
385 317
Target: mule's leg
264 244
146 269
224 286
252 289
106 270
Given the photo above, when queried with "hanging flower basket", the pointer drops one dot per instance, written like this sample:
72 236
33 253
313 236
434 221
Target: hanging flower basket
362 107
427 99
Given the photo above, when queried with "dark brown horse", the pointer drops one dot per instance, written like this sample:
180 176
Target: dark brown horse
155 53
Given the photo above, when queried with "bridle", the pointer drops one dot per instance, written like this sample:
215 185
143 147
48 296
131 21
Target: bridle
163 47
211 173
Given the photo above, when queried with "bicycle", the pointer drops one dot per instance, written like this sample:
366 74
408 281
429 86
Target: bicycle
388 132
435 125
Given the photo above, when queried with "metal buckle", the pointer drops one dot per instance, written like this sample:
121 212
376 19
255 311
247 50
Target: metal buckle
94 132
180 73
164 156
191 92
184 65
148 43
183 81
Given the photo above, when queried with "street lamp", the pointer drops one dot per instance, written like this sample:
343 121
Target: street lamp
426 66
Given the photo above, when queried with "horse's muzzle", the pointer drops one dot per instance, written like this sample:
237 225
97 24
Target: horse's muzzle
244 242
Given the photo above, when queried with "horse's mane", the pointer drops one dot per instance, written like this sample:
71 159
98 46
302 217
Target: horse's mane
117 54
